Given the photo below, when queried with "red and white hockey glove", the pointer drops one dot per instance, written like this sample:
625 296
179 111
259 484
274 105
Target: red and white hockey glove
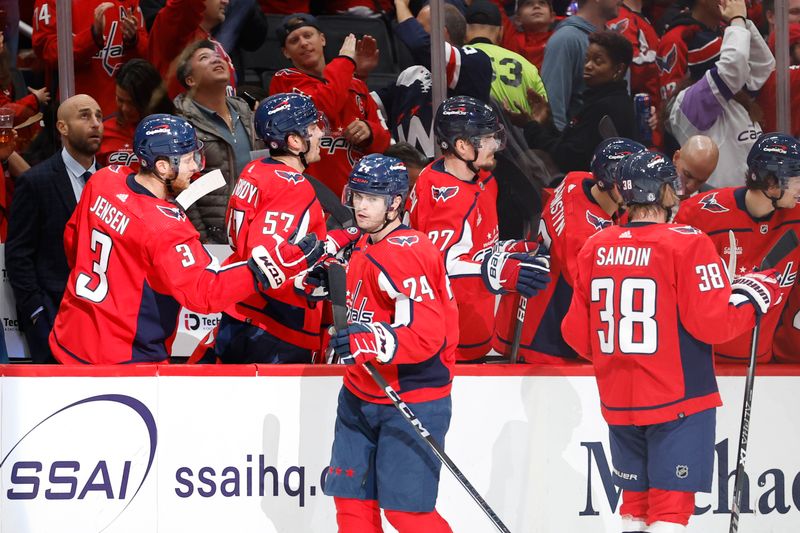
505 272
340 240
760 288
360 343
273 267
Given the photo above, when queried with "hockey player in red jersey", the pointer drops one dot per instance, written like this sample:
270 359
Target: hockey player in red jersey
273 201
402 317
758 214
640 33
454 202
136 258
105 35
356 127
583 204
645 295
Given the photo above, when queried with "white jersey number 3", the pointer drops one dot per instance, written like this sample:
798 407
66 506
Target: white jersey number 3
635 331
101 245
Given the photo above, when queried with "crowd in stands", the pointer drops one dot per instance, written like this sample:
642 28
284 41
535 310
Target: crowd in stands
706 67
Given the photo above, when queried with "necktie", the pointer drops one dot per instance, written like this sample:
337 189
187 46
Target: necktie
85 176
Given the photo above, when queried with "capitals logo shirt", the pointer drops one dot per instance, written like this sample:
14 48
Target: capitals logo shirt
460 219
721 210
641 34
273 199
95 67
342 98
117 145
401 281
135 260
570 217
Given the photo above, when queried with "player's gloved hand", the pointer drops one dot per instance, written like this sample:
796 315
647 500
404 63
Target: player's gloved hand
505 272
313 284
360 343
760 288
338 240
273 267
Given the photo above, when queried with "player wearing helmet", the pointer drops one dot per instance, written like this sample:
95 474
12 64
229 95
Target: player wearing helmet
454 202
758 214
272 203
402 316
136 258
583 204
644 295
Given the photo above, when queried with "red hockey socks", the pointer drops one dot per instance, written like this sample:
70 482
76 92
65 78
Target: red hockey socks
358 516
633 511
405 522
669 506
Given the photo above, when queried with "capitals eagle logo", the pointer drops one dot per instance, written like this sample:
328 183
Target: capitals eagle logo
443 193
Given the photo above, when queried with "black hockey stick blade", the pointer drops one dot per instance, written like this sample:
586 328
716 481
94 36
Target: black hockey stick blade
606 128
331 204
780 250
337 288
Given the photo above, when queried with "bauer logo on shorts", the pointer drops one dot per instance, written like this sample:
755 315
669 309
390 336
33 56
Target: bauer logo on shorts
682 471
404 240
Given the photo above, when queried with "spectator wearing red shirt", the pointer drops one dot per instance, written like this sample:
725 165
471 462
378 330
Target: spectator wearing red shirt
640 33
768 96
530 28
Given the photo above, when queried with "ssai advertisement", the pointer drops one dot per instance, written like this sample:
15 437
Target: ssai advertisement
249 454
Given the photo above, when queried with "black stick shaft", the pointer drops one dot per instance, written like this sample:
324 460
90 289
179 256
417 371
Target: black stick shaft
437 449
522 304
744 430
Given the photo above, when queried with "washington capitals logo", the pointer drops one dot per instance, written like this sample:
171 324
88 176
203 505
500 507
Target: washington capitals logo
668 61
597 222
620 26
710 203
443 193
172 212
403 240
292 177
686 230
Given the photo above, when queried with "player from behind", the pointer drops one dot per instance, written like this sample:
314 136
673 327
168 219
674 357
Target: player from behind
758 214
454 202
402 318
583 204
272 203
136 258
645 293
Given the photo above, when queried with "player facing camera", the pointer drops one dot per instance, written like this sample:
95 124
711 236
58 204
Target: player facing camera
469 132
376 192
773 167
291 126
168 151
649 186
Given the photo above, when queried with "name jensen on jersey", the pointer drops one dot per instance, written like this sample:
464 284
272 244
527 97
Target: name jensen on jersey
623 255
109 214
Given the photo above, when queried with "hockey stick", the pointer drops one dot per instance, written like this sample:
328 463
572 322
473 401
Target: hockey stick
731 255
337 284
522 305
780 250
606 128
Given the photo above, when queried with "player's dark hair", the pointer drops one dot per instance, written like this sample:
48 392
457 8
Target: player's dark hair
619 49
184 69
406 153
667 200
143 83
455 24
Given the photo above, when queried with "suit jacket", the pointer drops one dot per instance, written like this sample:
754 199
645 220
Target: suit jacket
35 260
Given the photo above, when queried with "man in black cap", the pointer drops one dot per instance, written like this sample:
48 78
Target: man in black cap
356 128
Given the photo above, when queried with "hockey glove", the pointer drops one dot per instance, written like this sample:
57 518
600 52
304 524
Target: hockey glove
760 288
341 240
273 267
313 284
505 272
360 343
521 247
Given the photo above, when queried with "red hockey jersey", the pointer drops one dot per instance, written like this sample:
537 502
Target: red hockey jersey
135 260
117 145
641 34
787 336
460 219
674 52
342 98
273 199
94 67
721 210
401 281
645 295
570 216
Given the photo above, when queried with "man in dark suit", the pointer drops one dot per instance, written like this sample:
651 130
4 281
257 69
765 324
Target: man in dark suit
44 199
